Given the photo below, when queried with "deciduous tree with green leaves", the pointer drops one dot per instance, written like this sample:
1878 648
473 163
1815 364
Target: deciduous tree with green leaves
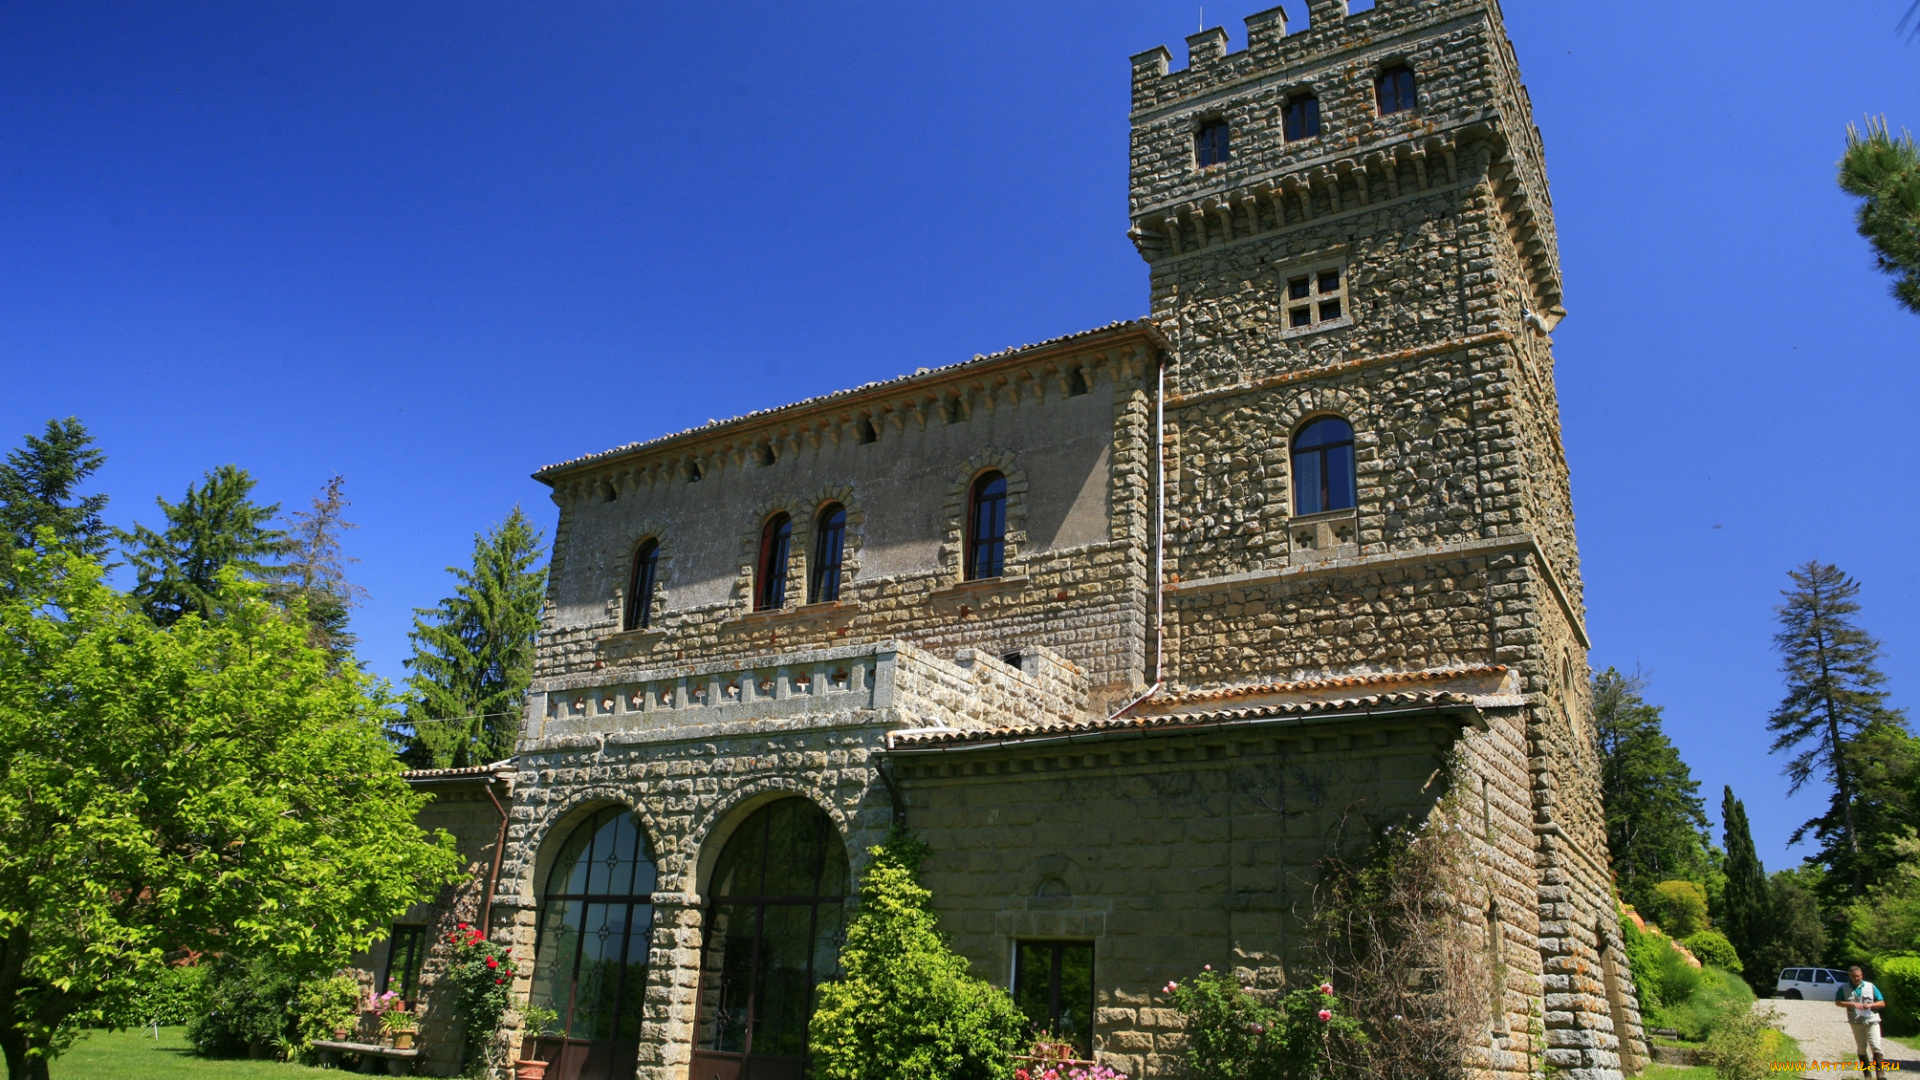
1835 701
1654 815
473 654
1884 171
219 786
217 525
39 487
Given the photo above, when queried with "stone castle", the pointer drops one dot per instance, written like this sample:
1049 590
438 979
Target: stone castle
1130 626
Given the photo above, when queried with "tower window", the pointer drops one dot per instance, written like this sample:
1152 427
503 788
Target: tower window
829 553
1317 300
1394 90
1323 467
1210 143
987 528
1303 118
646 566
776 540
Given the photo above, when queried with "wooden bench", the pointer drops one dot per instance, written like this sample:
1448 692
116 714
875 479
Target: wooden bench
398 1061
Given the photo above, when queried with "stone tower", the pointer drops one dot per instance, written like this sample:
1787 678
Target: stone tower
1351 220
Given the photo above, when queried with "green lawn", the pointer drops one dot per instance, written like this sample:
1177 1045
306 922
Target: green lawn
1677 1072
134 1055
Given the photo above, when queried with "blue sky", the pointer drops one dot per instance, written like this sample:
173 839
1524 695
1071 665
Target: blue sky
434 246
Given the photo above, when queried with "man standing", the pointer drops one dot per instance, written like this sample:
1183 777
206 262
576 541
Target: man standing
1863 1003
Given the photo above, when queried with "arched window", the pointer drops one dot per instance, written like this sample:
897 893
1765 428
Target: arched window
1210 143
987 527
596 922
1393 90
1323 467
776 540
646 566
829 552
1302 118
774 925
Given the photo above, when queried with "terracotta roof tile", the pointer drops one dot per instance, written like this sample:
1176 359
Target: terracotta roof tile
1339 682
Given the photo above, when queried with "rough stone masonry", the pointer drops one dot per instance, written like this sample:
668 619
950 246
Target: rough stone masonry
1208 649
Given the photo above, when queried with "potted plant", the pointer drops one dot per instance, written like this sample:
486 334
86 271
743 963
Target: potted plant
535 1021
399 1024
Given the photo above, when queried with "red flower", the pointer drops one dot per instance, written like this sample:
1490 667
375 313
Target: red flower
492 963
497 982
463 926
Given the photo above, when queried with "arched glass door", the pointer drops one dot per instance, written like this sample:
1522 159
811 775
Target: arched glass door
774 924
590 961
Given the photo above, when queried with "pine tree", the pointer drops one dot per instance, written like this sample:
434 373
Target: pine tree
1834 699
1746 911
1654 814
216 525
315 570
1885 172
473 654
37 490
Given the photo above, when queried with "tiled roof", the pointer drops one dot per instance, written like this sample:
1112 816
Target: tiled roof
1111 329
926 739
470 771
1340 682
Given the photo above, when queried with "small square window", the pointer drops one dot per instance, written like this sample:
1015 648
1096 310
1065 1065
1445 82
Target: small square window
1302 118
1210 143
1325 290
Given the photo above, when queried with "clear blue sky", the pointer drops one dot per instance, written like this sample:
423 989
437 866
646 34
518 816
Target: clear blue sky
433 246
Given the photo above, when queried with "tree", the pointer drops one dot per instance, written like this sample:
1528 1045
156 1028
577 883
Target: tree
38 485
1834 697
473 654
1746 910
314 570
217 525
219 786
906 1004
1798 932
1884 171
1654 814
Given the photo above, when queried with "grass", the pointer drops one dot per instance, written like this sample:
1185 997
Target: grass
1677 1072
124 1055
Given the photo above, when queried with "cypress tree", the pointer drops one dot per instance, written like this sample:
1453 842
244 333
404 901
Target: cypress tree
473 653
37 490
1834 697
1746 908
216 526
1654 813
1884 172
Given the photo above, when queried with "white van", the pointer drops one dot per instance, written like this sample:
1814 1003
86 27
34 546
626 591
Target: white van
1810 984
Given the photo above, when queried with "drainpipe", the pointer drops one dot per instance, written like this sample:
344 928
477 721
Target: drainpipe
1159 540
499 851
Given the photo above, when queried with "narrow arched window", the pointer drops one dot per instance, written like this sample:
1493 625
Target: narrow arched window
1323 467
596 923
776 540
1302 118
829 551
646 567
1210 143
773 930
987 527
1394 90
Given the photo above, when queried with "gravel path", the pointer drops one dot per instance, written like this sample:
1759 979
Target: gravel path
1821 1031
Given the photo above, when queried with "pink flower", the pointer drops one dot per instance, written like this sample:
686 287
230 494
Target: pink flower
1209 967
1258 1029
1326 1015
1171 987
1326 988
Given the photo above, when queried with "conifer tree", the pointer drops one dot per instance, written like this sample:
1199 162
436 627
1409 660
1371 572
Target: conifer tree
38 486
315 570
1746 913
216 525
1884 172
1834 700
473 654
1654 814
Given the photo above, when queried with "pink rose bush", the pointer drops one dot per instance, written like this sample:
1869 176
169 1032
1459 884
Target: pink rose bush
1234 1033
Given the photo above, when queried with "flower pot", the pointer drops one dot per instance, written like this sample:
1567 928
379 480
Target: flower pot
340 1034
403 1040
529 1070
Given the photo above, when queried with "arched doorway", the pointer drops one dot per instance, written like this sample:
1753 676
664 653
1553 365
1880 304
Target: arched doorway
774 923
590 959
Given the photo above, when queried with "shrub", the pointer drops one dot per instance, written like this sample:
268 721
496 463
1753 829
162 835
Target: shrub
243 1003
323 1005
1899 979
480 974
1680 907
1662 975
1716 995
1745 1045
1232 1035
1712 947
906 1004
171 996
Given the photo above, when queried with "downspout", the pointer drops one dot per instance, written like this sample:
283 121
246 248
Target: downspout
1159 539
499 851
